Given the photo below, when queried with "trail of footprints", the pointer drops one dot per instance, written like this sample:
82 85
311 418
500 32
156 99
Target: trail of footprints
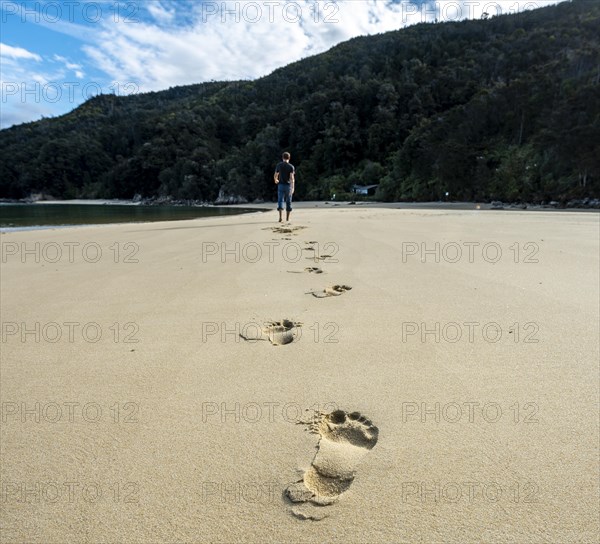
345 438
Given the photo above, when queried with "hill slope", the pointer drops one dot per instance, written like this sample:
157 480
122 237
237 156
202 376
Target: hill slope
506 108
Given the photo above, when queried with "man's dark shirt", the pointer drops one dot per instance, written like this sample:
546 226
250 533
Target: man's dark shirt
285 169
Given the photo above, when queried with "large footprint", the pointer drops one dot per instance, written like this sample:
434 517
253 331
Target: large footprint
279 333
345 439
333 291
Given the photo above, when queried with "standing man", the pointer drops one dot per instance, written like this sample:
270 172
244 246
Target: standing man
285 177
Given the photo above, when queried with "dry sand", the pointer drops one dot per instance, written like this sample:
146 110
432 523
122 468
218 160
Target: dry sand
193 434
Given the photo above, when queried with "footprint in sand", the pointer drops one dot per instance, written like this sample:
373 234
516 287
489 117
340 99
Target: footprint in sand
320 258
279 333
310 270
345 439
333 291
285 229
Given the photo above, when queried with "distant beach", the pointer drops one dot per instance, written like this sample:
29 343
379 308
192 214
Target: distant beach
68 213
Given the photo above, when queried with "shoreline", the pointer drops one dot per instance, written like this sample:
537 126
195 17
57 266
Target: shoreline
474 206
92 201
461 205
301 205
316 205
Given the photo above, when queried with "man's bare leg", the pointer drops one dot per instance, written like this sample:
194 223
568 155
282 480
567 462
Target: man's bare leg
280 215
287 215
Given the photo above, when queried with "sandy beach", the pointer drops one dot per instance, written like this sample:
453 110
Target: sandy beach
361 375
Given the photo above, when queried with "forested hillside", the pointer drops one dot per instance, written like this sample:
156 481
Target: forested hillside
506 108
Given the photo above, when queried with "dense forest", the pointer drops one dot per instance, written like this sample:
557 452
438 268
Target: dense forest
506 108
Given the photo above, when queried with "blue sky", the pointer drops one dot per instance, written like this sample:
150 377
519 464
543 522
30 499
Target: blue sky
54 54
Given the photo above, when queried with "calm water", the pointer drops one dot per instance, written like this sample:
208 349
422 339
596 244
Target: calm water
29 215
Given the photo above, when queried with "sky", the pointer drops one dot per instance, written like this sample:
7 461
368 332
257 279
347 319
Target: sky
55 54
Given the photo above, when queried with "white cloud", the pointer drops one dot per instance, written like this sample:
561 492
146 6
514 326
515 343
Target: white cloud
74 67
229 40
244 40
31 87
17 53
161 13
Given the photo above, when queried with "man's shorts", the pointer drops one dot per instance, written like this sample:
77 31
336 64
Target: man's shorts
284 194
